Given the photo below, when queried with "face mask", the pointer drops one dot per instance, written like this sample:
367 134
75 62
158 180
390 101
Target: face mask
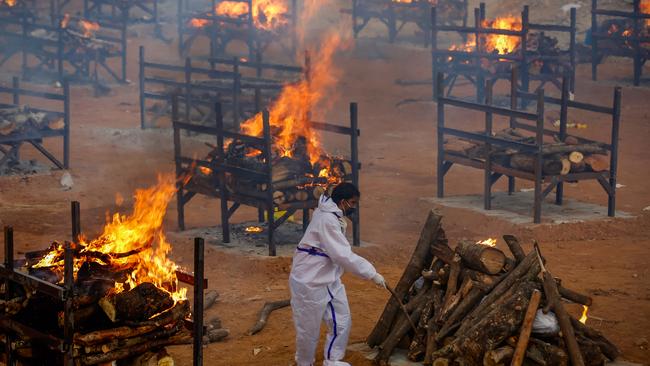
349 211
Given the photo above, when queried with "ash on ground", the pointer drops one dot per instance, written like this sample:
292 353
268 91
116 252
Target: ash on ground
22 167
252 241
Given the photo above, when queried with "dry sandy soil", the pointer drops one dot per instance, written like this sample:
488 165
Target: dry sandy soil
607 259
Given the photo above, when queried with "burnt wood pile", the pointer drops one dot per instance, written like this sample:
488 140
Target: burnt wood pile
127 12
22 124
243 87
73 48
62 304
475 305
489 50
253 171
222 26
527 148
397 14
622 33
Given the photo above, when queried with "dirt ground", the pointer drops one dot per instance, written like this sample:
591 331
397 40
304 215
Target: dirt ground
110 155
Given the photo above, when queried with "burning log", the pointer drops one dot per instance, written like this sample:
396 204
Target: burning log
139 303
481 257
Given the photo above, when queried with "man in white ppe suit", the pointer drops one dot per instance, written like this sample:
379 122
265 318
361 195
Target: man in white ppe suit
317 293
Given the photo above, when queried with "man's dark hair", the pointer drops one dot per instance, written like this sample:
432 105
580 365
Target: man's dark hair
344 191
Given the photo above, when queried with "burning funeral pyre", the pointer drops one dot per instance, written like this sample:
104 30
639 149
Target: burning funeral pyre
126 295
266 15
543 53
473 305
623 28
302 169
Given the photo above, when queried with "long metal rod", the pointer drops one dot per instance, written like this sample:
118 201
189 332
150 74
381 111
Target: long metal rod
354 155
197 312
401 306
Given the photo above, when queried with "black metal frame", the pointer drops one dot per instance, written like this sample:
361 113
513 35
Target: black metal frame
494 171
395 15
14 141
477 75
186 190
121 10
51 54
230 72
13 329
638 51
222 30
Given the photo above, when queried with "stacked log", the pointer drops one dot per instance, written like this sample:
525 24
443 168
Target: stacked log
22 119
133 325
559 158
470 307
294 178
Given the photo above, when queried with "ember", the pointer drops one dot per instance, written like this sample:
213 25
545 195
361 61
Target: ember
488 242
254 229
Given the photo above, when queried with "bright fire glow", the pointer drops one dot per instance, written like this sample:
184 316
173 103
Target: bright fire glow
89 28
489 242
65 21
289 114
499 43
205 170
254 229
644 6
198 23
267 14
9 3
135 242
583 318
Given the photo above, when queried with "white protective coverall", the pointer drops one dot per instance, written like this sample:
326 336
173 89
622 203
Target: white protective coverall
317 293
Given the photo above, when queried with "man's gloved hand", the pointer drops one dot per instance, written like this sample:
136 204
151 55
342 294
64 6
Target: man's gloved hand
379 280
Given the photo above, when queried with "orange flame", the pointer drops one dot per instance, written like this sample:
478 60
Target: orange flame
89 28
267 14
10 3
198 22
141 234
254 229
644 6
584 317
65 20
503 44
488 242
289 114
500 43
205 170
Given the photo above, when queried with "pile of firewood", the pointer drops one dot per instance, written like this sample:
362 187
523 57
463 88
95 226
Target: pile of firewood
133 325
560 158
473 305
22 119
294 178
